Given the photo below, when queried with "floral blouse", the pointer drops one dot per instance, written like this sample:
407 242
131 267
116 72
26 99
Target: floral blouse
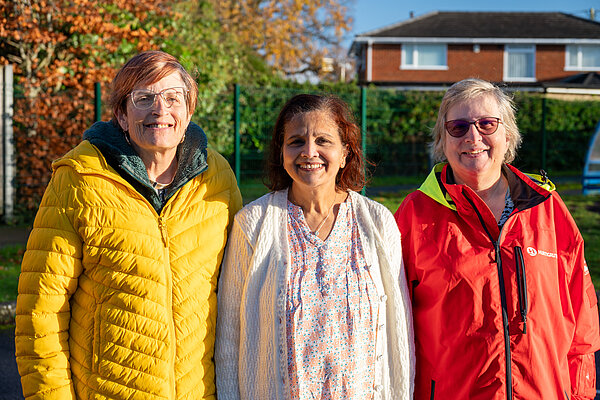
332 309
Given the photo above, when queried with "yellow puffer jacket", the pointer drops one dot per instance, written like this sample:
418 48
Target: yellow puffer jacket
115 299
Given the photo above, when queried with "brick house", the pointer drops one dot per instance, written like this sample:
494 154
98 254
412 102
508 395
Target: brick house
517 48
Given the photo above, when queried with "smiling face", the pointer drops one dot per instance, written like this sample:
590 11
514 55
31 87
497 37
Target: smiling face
313 152
476 157
159 129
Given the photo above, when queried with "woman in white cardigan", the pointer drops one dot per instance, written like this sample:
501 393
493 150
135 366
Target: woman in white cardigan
312 298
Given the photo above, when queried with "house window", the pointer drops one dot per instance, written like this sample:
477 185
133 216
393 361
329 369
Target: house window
424 56
519 63
583 57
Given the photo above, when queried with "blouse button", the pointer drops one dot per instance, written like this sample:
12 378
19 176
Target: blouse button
378 388
383 298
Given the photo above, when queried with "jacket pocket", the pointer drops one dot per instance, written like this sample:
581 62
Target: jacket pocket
583 375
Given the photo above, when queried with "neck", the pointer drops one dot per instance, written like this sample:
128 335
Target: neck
315 200
494 191
161 167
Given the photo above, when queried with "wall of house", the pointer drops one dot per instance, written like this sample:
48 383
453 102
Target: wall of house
463 62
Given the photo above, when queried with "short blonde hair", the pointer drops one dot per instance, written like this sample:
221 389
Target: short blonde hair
469 89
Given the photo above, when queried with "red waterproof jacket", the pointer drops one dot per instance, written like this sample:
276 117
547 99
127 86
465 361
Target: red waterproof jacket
498 314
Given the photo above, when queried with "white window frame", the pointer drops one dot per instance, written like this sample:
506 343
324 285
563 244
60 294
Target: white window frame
579 66
416 66
529 49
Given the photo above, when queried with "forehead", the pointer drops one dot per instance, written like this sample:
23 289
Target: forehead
172 80
312 122
477 107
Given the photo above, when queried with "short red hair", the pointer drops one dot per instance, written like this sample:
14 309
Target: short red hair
146 68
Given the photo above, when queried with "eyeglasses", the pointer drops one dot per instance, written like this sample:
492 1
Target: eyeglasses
486 126
145 99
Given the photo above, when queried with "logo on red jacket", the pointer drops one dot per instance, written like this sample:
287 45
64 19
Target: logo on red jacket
533 252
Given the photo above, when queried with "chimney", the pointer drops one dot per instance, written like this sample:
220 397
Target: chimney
411 14
592 14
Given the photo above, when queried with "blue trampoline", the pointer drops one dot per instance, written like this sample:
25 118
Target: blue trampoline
591 170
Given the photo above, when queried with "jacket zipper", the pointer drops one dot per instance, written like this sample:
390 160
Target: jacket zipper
521 286
503 302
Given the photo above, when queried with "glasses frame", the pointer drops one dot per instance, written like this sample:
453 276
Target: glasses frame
475 123
161 94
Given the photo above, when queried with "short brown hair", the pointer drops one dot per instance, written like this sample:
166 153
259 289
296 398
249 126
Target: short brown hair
468 89
352 176
146 68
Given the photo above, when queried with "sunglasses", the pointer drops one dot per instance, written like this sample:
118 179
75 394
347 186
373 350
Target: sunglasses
486 126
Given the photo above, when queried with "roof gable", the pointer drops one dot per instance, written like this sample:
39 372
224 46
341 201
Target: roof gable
534 25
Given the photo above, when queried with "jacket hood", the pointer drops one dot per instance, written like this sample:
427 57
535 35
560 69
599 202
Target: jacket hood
521 185
110 140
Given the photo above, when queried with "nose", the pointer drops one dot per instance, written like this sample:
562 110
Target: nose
310 149
473 134
159 106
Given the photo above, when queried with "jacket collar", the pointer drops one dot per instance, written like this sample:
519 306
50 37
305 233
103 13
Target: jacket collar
526 190
109 138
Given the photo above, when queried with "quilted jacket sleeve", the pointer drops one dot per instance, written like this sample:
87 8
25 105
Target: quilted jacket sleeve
231 284
49 272
586 340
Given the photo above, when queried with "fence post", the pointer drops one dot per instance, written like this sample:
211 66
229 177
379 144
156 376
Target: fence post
236 127
8 150
363 124
544 138
97 102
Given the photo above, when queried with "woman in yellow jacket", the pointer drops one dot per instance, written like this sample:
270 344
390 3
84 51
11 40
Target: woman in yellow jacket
117 293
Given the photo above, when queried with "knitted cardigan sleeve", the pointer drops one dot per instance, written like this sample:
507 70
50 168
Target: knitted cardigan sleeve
227 346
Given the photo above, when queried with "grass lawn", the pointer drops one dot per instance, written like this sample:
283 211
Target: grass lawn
585 210
10 260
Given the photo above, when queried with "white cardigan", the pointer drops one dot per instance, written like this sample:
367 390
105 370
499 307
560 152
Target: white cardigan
251 348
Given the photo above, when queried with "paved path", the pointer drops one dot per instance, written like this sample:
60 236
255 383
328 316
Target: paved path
10 384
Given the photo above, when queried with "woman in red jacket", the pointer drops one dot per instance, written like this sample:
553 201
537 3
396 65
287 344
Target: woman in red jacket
503 303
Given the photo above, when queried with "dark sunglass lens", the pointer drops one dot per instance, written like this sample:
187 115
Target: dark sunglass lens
487 125
457 128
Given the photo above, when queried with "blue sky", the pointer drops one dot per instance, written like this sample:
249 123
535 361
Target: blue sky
373 14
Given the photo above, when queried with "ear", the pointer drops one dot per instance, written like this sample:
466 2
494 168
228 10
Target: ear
122 120
344 155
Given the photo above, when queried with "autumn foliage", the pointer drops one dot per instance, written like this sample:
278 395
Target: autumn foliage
294 35
59 50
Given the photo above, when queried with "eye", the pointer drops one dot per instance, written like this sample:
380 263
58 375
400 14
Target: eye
143 97
295 142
